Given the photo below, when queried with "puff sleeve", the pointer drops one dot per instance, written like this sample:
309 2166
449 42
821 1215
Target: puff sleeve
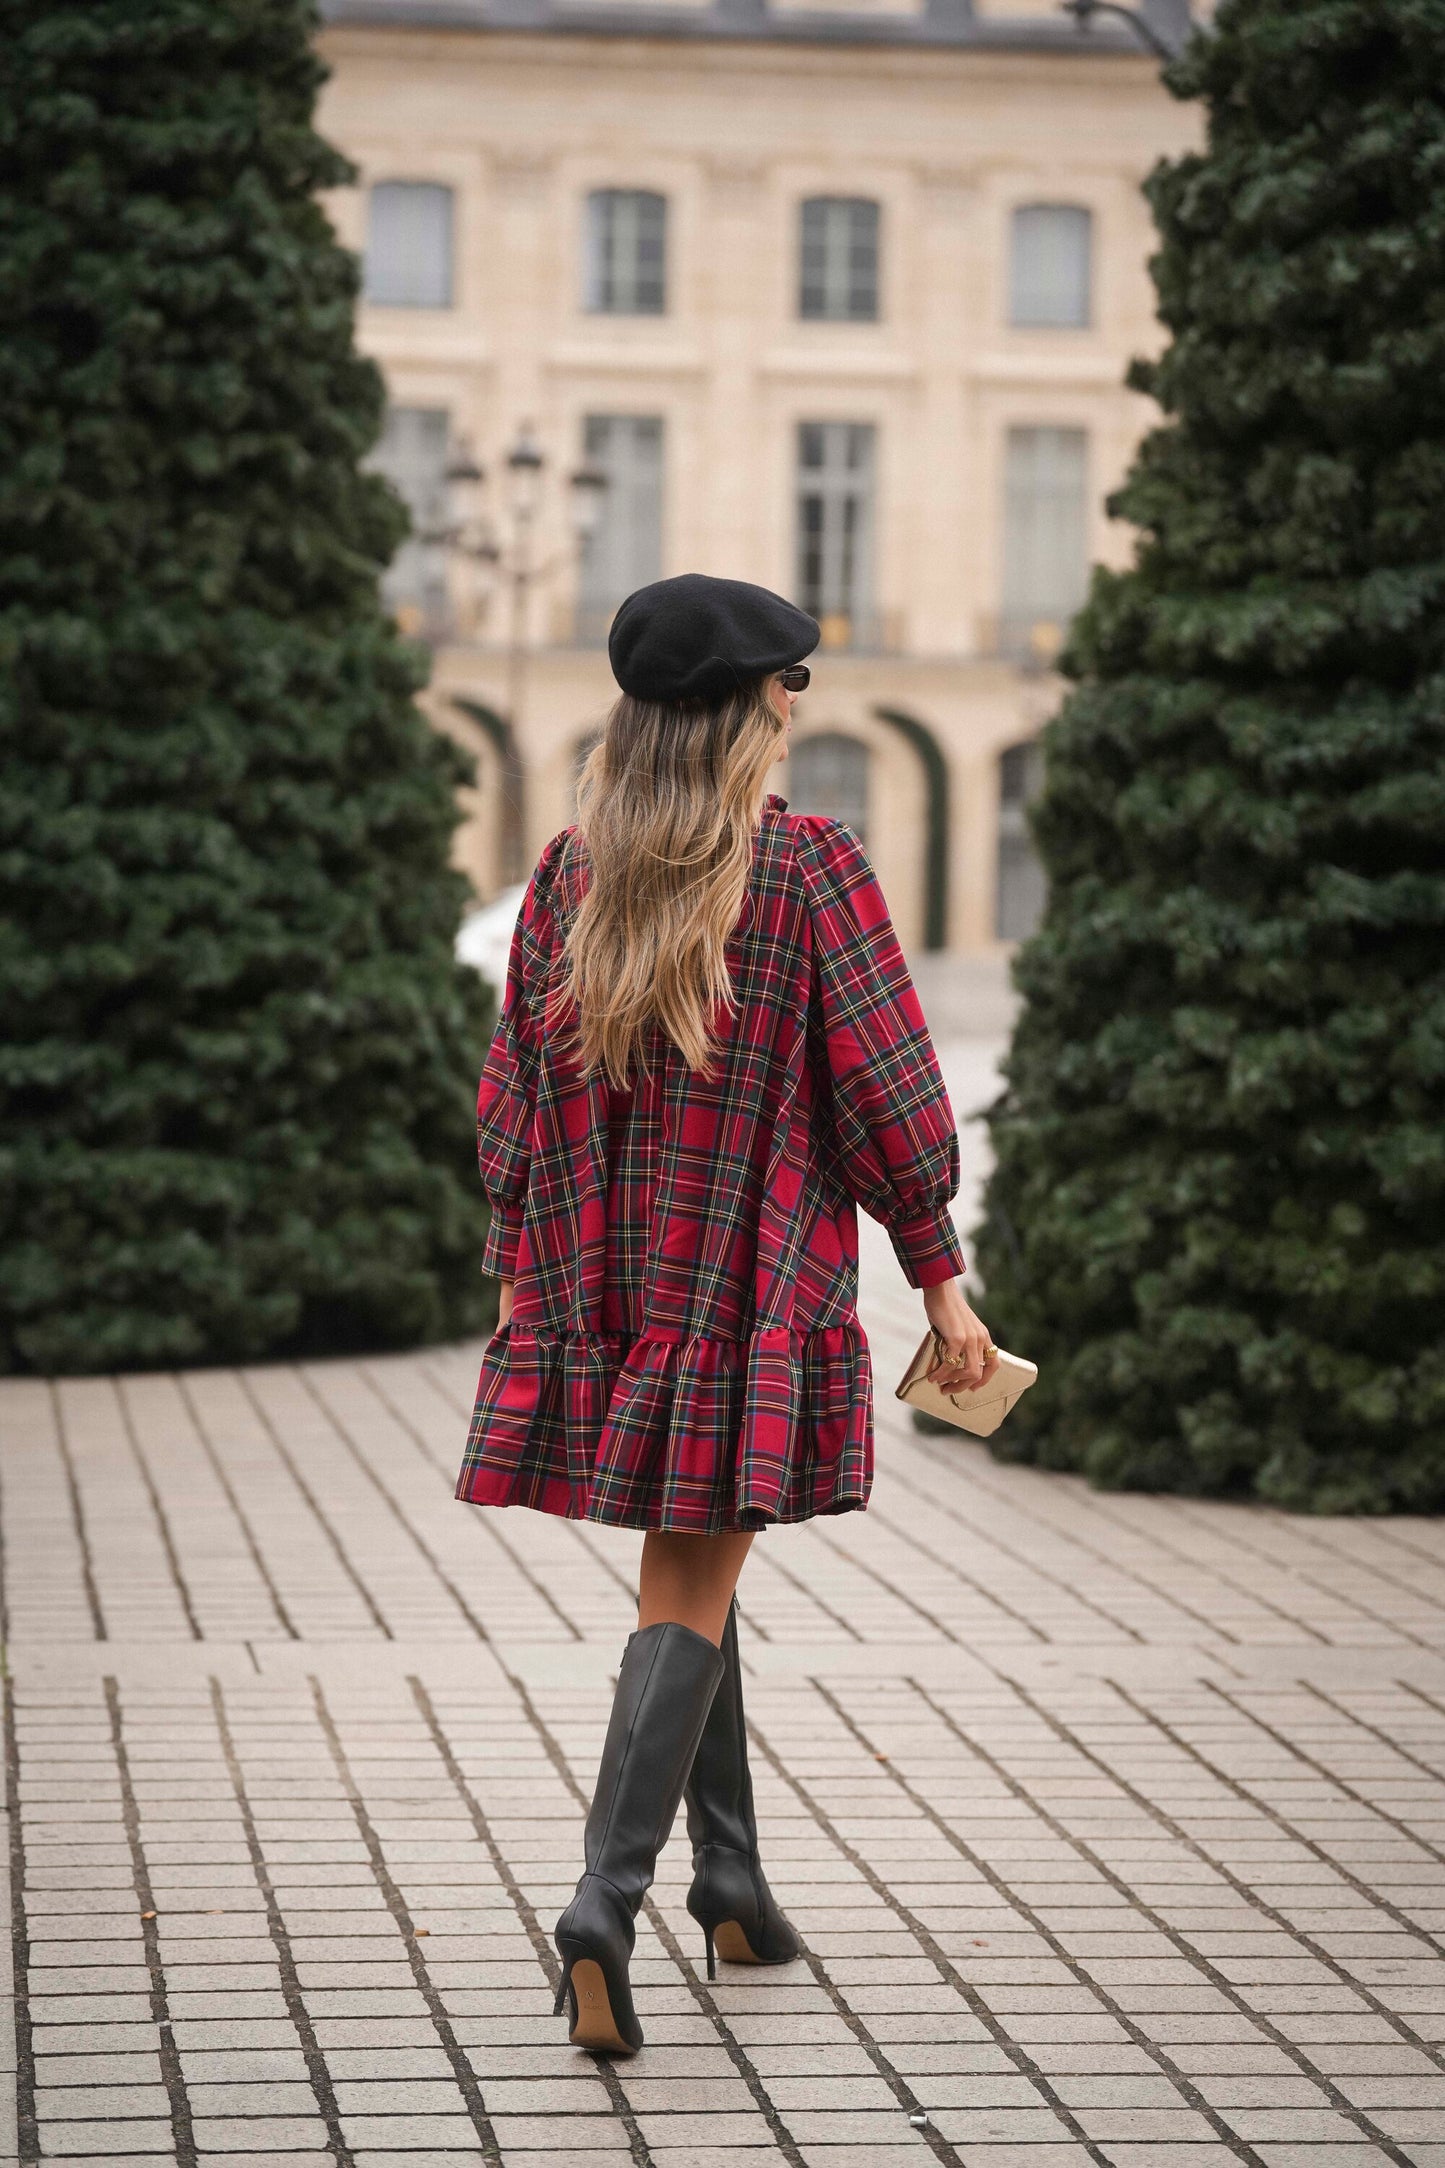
507 1093
895 1133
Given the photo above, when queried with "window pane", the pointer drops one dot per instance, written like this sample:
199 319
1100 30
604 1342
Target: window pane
409 245
1051 269
1046 546
835 529
829 774
1021 887
624 551
625 273
838 259
412 454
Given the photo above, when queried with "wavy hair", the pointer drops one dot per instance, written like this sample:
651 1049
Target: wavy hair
668 805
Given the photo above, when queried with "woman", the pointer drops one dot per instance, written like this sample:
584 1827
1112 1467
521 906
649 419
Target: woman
709 1049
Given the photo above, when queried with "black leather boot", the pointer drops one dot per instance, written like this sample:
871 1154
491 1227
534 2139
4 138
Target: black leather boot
665 1687
730 1898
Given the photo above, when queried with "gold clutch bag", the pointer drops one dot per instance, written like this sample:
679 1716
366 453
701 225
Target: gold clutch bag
978 1413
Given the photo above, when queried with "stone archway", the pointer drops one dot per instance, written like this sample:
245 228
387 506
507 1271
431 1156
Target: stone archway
511 841
935 835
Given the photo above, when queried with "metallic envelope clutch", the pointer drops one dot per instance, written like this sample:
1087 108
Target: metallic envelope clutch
978 1413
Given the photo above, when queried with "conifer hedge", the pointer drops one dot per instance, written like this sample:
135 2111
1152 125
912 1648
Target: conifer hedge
1218 1213
238 1058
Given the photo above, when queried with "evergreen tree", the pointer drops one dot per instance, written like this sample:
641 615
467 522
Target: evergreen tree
1218 1213
238 1057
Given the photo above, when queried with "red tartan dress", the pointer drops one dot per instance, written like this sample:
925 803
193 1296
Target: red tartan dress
684 1349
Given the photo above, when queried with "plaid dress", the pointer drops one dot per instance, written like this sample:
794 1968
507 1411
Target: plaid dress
684 1349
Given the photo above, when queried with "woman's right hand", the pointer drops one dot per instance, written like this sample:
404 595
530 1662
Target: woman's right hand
971 1358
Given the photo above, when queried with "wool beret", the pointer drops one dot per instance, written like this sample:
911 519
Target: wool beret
695 638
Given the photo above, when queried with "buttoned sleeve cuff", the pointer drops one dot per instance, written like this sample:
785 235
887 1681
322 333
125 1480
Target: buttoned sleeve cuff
928 1248
499 1251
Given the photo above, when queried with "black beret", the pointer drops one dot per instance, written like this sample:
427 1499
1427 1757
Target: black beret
695 638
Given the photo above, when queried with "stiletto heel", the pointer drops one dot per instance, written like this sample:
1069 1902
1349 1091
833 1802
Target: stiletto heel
562 1986
711 1953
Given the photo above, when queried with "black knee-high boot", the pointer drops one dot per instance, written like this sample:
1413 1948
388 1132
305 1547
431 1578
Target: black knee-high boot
730 1898
664 1690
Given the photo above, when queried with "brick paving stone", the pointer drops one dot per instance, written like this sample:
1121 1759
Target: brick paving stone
1115 1825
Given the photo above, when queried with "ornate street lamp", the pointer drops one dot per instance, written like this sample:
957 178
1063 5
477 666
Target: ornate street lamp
1084 12
470 538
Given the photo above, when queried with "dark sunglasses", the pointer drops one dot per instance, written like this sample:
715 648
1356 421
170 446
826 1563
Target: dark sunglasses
796 678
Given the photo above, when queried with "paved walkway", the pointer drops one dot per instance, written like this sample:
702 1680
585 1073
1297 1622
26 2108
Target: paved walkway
1115 1826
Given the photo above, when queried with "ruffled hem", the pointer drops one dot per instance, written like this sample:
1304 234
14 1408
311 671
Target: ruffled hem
672 1430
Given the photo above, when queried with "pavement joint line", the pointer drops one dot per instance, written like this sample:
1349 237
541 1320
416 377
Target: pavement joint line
163 1525
484 1522
936 1558
396 1905
1387 1533
706 2002
1256 1550
937 1505
1278 1919
27 2125
172 2075
894 2079
1349 1791
1097 1505
1362 1723
343 1557
1094 1502
77 1515
948 1971
402 1519
840 1549
796 1580
526 1910
218 1469
1436 1776
316 2070
1420 1695
1196 1958
1296 1835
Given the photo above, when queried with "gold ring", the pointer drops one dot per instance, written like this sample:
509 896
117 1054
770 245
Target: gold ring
988 1352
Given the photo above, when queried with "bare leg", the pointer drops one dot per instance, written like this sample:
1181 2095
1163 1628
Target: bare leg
690 1579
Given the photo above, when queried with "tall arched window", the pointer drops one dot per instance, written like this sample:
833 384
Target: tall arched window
838 260
1021 889
409 245
1051 269
828 773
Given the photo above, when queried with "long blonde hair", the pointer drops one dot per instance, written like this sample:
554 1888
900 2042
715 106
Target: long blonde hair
668 804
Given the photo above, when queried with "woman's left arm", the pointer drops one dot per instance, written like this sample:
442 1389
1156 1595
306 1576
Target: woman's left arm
896 1137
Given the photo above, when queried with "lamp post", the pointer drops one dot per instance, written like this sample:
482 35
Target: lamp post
471 540
1084 12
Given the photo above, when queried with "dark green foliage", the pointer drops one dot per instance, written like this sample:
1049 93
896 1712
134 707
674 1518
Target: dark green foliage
238 1058
1218 1215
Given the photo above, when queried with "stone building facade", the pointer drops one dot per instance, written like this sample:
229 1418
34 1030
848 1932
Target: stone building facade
840 301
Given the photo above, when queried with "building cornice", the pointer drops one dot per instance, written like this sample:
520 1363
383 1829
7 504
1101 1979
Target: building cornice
950 24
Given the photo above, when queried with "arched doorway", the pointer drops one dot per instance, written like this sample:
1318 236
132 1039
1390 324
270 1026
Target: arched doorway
1020 888
828 773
